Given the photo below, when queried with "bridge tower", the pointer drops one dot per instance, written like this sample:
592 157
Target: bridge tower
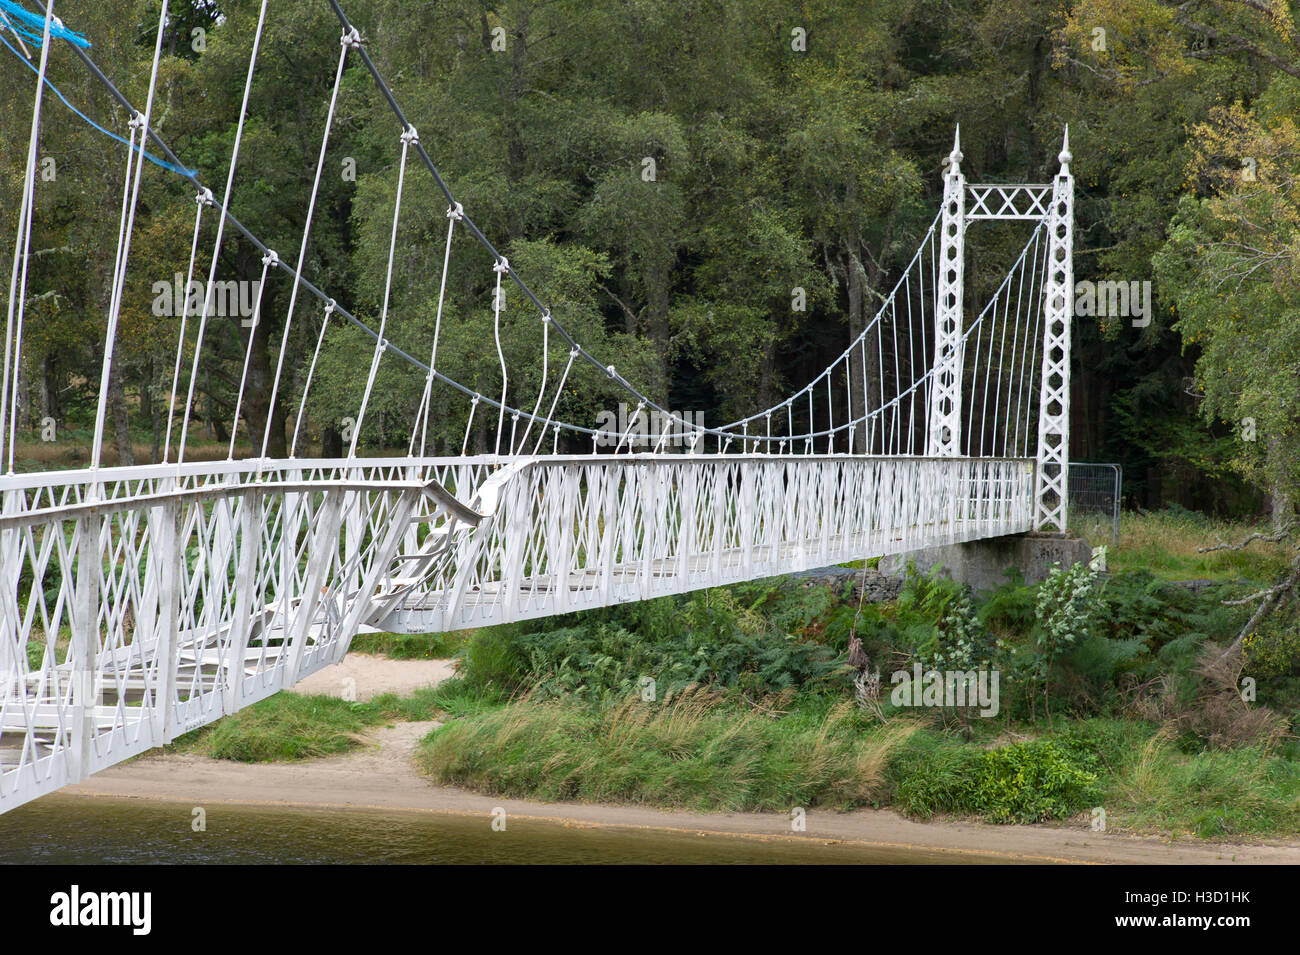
1052 204
1051 482
943 439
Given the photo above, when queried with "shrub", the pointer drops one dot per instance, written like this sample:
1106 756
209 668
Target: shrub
1212 711
1009 609
1138 606
1273 648
1064 611
1024 782
492 662
933 622
1031 782
710 639
1101 745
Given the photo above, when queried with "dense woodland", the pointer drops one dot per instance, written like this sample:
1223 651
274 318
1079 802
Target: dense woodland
795 145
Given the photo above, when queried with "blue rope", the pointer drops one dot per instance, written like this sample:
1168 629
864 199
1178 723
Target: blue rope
31 26
171 167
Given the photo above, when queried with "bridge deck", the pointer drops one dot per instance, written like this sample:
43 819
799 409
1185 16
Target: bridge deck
286 563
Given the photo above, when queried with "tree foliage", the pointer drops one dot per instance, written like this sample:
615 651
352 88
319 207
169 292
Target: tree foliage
665 175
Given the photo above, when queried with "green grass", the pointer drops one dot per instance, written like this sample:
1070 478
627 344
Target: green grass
1168 544
1143 781
291 726
698 752
709 752
284 727
411 646
871 562
1214 794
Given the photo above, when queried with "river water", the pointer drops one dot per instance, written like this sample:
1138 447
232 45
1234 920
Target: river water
95 830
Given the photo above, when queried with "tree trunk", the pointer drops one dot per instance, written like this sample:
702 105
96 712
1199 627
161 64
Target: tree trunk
257 397
1281 507
864 362
49 388
117 408
331 442
1279 502
151 406
220 433
23 387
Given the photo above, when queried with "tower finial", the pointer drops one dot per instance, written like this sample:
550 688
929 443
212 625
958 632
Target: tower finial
1065 156
955 157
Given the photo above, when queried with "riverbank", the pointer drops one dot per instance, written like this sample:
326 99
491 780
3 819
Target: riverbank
747 715
382 775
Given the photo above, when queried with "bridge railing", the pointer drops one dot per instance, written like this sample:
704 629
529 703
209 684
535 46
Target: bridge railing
572 533
137 604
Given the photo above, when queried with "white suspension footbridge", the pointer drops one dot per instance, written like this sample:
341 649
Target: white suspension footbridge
138 603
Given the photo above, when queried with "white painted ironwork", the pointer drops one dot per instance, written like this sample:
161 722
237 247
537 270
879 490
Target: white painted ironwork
1050 491
137 603
113 641
949 343
1008 202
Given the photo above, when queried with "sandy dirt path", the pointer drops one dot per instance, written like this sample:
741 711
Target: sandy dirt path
369 676
382 775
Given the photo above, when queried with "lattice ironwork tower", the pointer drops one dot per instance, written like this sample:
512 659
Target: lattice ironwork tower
1052 475
1052 204
944 436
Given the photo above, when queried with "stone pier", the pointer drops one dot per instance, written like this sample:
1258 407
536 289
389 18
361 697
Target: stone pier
983 564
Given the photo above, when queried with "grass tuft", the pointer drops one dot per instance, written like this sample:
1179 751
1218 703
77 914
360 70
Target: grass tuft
292 726
1212 794
286 726
699 751
1168 544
